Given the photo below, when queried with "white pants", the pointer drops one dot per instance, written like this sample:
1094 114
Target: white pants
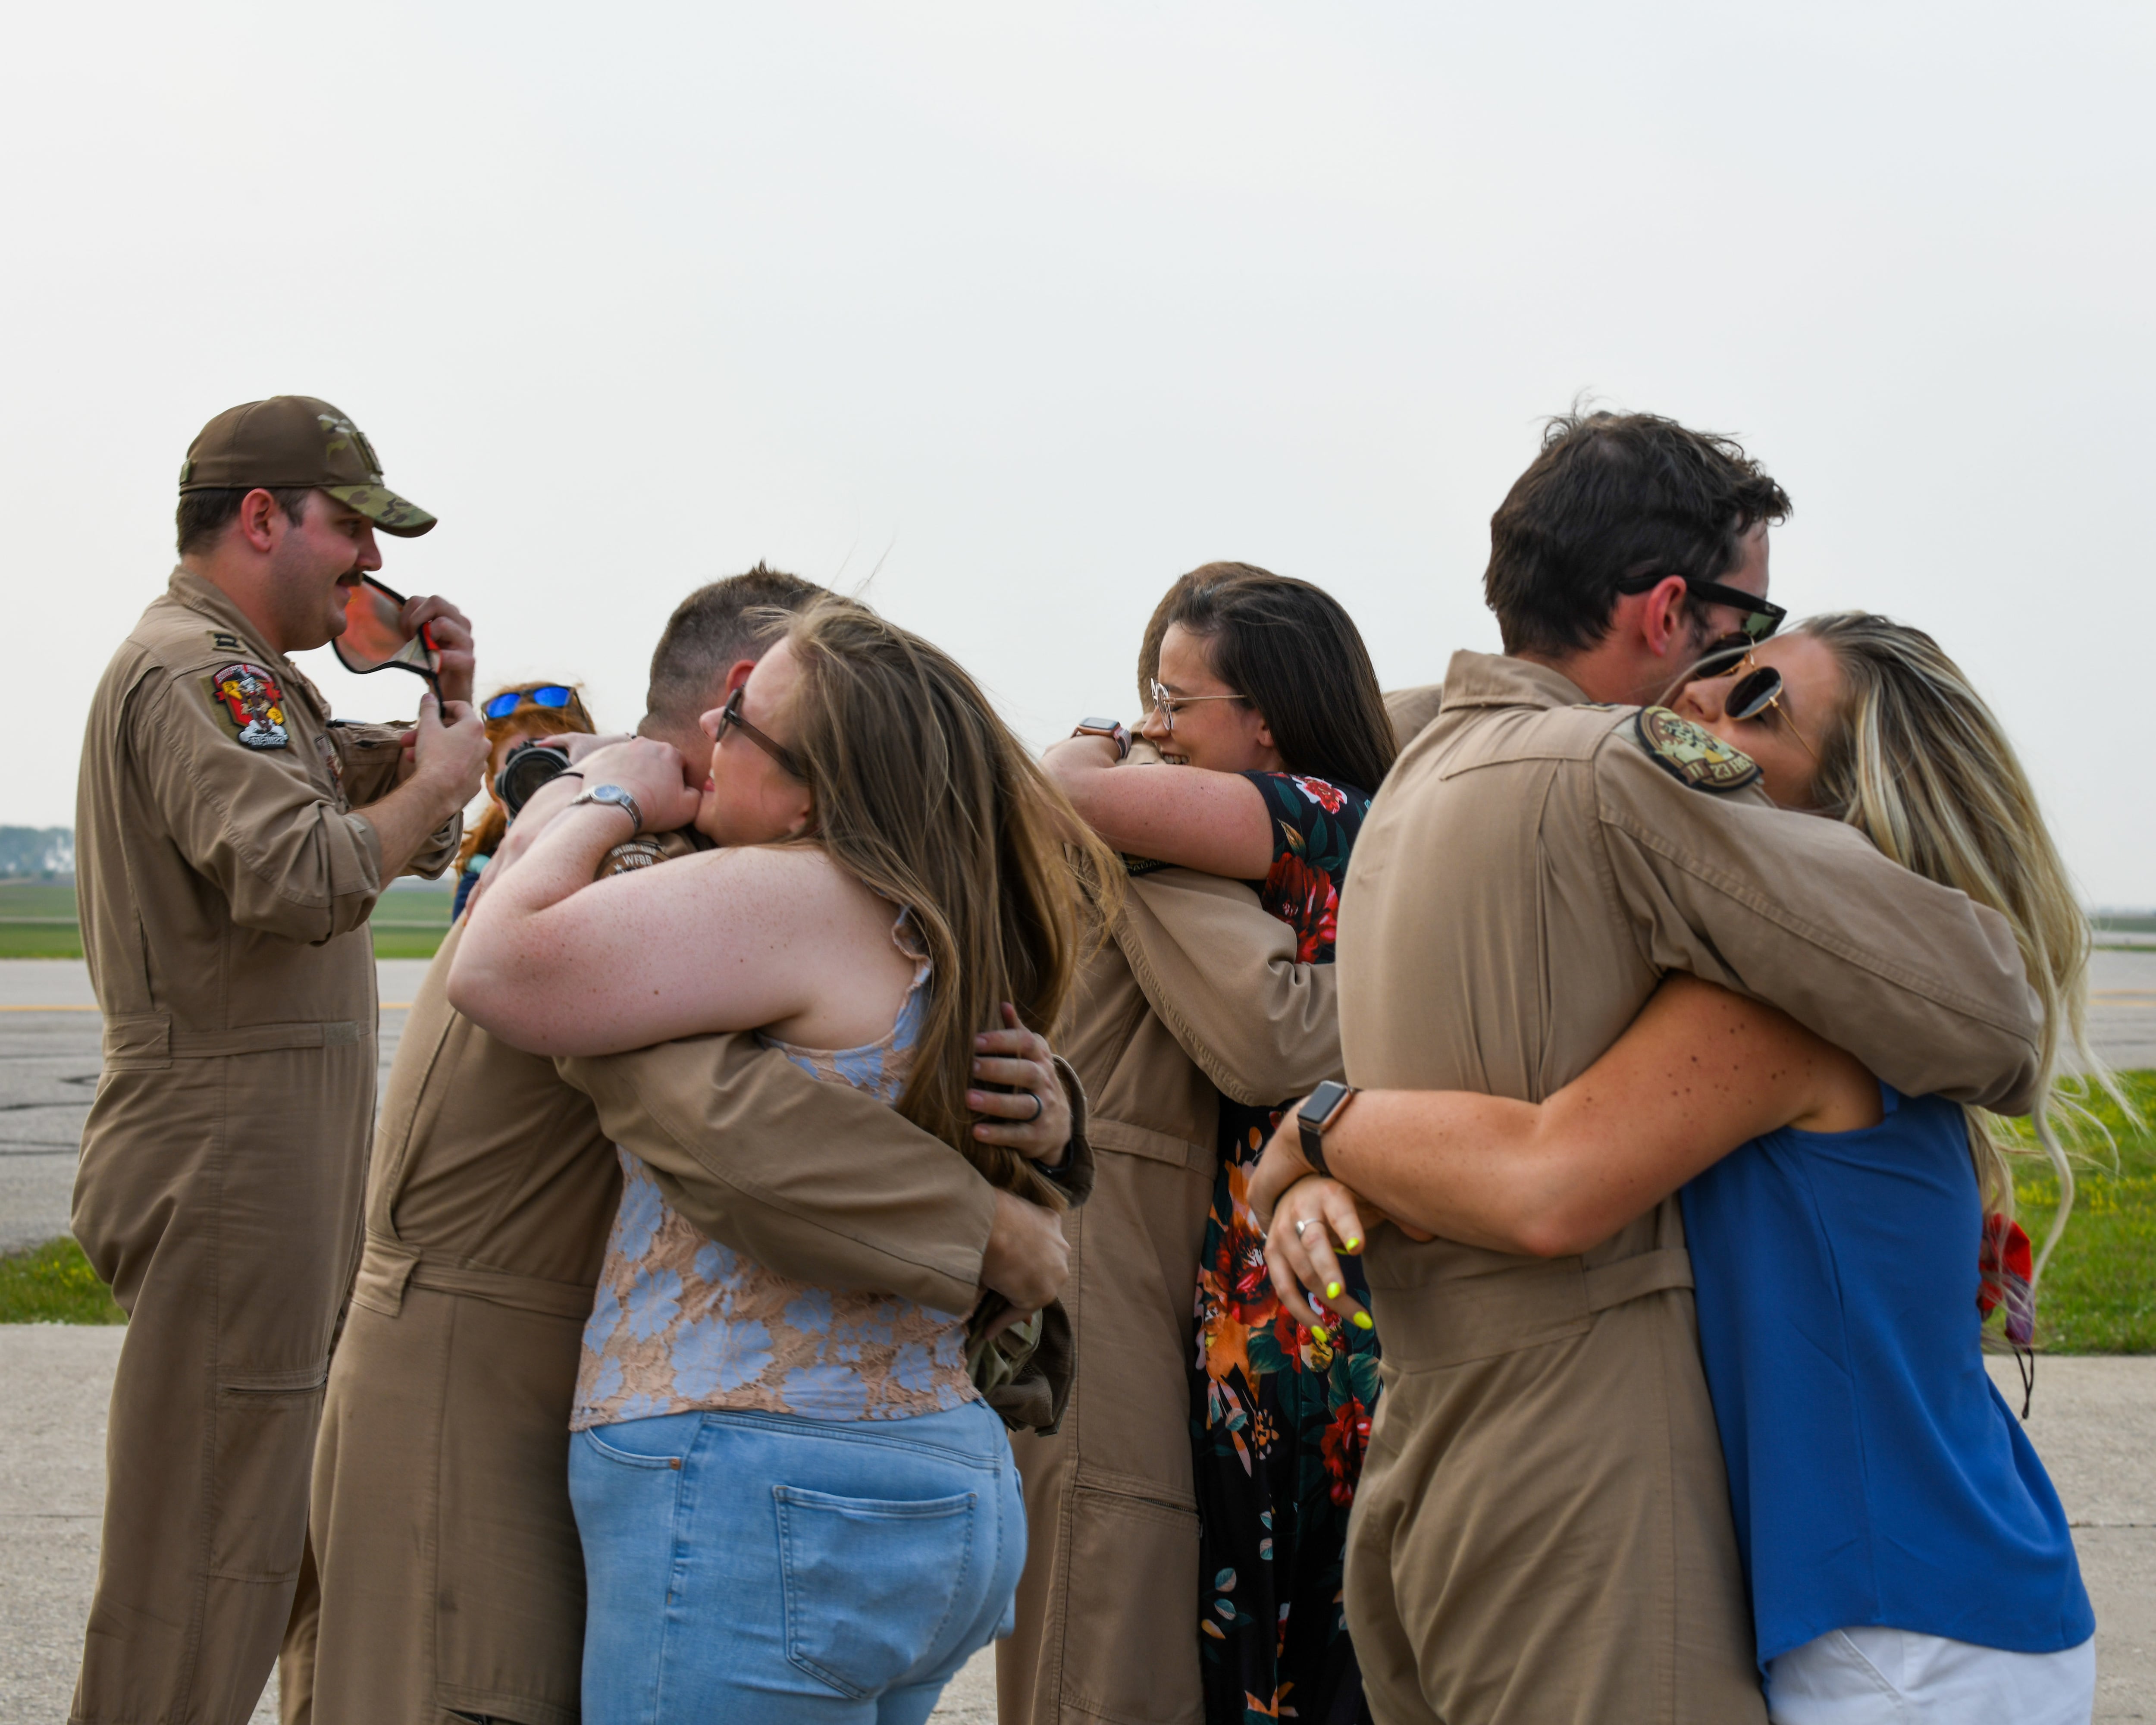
1891 1676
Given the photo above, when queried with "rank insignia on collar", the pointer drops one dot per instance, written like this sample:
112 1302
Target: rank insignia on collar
230 644
1691 752
255 704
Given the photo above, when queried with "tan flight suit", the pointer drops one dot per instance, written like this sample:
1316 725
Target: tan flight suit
1542 1534
225 885
1198 993
1411 709
452 1578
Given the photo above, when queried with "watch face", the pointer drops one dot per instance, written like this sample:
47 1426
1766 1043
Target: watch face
1318 1106
1107 726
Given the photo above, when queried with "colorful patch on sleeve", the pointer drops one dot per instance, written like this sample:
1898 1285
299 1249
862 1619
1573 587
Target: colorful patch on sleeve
1692 754
254 703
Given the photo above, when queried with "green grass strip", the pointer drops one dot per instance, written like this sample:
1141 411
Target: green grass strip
2098 1295
53 1284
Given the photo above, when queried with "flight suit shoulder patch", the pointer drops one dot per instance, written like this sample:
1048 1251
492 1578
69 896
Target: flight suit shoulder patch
249 700
1691 753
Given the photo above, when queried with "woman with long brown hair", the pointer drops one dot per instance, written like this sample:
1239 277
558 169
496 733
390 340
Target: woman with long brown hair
1265 710
794 1504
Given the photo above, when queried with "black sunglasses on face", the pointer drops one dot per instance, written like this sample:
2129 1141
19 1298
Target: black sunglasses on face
1760 618
731 714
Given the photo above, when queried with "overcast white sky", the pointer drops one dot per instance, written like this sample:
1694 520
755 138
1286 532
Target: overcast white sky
1038 306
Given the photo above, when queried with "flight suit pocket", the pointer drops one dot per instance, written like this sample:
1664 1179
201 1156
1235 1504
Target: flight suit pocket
263 1455
1129 1627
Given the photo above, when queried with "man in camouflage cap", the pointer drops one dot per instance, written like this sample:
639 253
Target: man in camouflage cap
232 839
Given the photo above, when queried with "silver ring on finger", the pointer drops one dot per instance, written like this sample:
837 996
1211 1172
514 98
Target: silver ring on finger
1299 1226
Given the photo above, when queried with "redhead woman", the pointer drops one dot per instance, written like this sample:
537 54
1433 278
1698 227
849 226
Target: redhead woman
793 1503
1907 1558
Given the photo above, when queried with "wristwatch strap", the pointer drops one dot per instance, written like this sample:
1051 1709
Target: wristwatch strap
1114 729
615 797
1313 1146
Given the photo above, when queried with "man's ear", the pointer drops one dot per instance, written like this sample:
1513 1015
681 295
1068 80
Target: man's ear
737 675
1664 618
256 521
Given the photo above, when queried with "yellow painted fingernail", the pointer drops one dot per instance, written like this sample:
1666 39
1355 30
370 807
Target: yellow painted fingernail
1363 1321
1333 1290
1356 1243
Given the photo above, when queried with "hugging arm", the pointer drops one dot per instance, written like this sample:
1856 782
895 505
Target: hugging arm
821 1181
1195 818
542 964
1222 974
1700 1071
1925 986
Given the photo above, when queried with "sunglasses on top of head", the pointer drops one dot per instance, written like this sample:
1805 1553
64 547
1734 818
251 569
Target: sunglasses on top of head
1759 618
730 717
546 694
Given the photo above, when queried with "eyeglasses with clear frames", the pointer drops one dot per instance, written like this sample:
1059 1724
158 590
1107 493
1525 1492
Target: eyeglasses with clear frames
1167 706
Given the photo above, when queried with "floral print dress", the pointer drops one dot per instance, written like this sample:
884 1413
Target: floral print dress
1280 1414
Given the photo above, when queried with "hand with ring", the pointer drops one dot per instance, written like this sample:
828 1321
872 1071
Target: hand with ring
1033 1116
1311 1215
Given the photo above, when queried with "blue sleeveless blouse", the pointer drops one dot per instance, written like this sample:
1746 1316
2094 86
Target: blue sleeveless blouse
1877 1476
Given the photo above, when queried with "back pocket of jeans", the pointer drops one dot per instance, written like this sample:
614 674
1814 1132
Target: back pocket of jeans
871 1582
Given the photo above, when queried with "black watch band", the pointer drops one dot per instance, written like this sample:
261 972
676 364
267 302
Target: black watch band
1313 1148
1318 1110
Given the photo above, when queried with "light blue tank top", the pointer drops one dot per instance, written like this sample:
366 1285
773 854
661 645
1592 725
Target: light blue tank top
1877 1475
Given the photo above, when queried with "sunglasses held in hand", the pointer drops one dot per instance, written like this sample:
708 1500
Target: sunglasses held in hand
375 637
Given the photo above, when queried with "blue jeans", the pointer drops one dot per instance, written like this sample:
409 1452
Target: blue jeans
758 1566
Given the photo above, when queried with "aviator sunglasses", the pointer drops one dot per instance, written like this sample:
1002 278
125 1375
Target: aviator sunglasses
730 717
546 694
1757 690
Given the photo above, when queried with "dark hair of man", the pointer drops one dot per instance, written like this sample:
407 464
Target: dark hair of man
203 516
713 628
1292 650
1612 495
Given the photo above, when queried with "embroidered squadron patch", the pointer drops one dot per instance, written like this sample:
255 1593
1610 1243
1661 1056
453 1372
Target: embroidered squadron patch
255 704
1693 753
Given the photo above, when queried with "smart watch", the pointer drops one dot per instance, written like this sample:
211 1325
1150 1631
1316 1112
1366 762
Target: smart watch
616 797
1315 1117
1114 729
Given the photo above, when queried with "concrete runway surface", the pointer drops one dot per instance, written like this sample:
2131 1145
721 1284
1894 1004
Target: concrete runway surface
2094 1422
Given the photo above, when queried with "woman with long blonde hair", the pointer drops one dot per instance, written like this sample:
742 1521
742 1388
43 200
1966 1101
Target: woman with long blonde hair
793 1502
1907 1557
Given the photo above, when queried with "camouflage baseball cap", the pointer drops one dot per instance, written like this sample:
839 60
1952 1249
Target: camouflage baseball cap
296 440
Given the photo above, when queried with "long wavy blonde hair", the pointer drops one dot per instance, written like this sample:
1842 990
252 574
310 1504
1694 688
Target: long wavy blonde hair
925 796
1919 763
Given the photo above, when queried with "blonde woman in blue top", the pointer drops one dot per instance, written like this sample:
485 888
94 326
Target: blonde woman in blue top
795 1506
1907 1557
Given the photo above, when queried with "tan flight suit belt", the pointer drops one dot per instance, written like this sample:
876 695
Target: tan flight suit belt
1435 1325
388 1266
153 1039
